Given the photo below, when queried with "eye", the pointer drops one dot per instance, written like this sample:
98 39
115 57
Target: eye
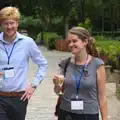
74 41
68 41
5 23
12 23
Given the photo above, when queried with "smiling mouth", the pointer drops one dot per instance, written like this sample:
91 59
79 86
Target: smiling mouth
9 31
73 48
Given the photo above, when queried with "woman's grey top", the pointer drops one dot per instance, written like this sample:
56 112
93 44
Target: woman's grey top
87 90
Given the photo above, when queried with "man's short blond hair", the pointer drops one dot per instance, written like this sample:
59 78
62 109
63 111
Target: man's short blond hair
9 13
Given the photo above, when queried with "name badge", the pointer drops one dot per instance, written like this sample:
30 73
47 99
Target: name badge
9 73
77 105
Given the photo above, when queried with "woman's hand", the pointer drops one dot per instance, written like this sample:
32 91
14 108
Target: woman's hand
58 79
57 88
55 80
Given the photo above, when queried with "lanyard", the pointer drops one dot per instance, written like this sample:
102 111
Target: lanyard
79 79
10 52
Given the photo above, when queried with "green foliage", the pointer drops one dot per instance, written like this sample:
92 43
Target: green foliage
58 26
25 22
87 24
109 48
38 36
118 93
107 33
51 43
32 25
104 14
39 39
49 39
47 36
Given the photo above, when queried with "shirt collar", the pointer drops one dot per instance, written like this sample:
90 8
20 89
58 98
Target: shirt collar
18 37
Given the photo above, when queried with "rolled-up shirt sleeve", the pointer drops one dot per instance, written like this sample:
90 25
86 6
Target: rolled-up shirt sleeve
38 58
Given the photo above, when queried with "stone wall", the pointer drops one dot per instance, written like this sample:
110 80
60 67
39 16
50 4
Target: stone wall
113 77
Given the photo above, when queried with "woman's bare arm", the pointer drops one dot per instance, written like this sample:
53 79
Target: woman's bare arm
101 83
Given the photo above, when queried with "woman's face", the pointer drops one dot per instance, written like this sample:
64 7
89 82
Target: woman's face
75 44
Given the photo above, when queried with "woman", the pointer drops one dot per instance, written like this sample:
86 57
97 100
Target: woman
85 79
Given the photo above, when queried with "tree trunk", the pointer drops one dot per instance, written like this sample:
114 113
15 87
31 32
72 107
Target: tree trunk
50 24
81 13
102 19
66 21
117 21
111 19
83 10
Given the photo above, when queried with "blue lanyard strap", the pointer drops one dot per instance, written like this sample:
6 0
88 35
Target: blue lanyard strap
81 74
10 51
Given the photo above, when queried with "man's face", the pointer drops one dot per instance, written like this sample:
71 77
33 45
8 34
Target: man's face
9 27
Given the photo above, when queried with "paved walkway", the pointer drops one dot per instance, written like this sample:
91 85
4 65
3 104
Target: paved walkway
41 106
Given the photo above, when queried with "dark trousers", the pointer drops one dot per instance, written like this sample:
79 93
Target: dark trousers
64 115
12 108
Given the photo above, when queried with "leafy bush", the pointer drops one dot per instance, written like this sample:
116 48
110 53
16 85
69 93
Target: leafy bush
52 42
39 39
32 25
118 93
49 39
109 48
87 24
106 33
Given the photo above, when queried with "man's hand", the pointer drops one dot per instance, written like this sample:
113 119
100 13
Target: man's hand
1 74
28 92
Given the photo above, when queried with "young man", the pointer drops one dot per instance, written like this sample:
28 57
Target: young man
15 51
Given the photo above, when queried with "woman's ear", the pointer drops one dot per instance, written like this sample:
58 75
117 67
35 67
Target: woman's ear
86 41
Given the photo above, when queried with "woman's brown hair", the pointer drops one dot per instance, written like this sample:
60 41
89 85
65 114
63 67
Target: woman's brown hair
83 34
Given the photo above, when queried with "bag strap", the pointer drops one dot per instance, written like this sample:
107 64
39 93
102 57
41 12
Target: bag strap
65 69
66 65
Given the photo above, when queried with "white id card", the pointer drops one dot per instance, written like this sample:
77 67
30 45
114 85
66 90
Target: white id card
76 105
9 73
